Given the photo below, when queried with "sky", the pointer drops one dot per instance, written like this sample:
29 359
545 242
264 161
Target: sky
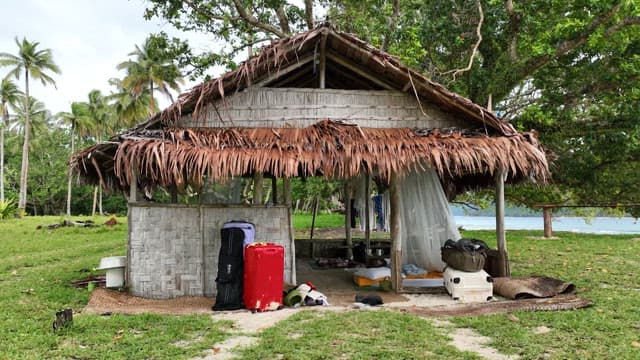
88 38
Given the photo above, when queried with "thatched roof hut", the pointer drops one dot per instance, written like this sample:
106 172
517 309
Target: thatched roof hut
320 103
193 138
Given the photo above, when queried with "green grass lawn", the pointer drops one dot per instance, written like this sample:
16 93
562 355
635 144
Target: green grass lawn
36 267
323 220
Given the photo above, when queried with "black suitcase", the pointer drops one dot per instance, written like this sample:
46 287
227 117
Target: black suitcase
230 270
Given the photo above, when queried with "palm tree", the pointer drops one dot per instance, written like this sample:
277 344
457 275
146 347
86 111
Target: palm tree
130 108
151 69
9 96
80 124
101 117
32 62
38 116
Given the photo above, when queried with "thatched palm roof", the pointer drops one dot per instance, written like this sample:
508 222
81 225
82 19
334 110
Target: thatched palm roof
287 52
180 156
161 153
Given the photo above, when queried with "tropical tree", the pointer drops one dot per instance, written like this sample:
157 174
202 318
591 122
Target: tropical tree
80 124
152 68
9 96
130 108
100 116
36 114
34 63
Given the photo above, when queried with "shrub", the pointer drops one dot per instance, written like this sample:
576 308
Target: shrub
7 208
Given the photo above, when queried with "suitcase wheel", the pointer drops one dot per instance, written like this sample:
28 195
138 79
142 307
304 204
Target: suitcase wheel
489 279
456 280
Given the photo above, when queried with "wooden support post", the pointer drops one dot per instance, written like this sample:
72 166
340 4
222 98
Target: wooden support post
286 189
396 243
316 202
546 214
292 245
347 218
323 59
257 188
133 187
274 190
367 214
503 257
174 194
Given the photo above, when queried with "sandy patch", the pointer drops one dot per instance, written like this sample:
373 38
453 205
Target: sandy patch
468 340
420 300
225 350
104 301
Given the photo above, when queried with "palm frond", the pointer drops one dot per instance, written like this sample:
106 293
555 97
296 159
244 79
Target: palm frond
178 156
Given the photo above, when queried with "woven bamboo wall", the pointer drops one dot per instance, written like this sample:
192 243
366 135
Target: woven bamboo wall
173 249
302 107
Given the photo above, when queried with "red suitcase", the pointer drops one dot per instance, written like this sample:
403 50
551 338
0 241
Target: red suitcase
263 276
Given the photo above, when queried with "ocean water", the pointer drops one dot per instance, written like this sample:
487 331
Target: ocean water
597 225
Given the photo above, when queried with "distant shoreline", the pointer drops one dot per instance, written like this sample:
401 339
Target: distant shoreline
593 225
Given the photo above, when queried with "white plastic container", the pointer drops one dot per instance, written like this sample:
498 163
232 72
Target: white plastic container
468 287
114 266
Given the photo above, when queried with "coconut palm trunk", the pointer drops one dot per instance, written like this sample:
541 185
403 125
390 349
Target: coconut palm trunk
33 63
22 197
95 201
5 118
73 142
4 121
152 103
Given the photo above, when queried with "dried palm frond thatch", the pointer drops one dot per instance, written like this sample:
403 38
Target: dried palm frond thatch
288 51
180 156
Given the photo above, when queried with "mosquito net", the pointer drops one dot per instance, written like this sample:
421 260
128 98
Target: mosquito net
426 220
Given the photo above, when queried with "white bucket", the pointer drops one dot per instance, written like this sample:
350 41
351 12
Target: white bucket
114 265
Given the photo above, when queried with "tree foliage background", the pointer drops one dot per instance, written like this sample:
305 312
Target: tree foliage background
568 69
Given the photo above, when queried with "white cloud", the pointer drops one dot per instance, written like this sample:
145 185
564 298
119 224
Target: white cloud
88 39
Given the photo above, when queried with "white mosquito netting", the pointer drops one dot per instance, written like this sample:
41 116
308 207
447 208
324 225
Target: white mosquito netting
426 221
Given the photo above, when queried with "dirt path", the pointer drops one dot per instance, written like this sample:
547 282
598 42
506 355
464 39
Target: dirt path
465 339
247 326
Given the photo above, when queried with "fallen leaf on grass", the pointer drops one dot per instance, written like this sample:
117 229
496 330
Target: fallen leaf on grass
28 291
635 344
117 338
513 318
14 272
216 350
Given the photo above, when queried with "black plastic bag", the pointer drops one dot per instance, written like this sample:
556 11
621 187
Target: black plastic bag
465 254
